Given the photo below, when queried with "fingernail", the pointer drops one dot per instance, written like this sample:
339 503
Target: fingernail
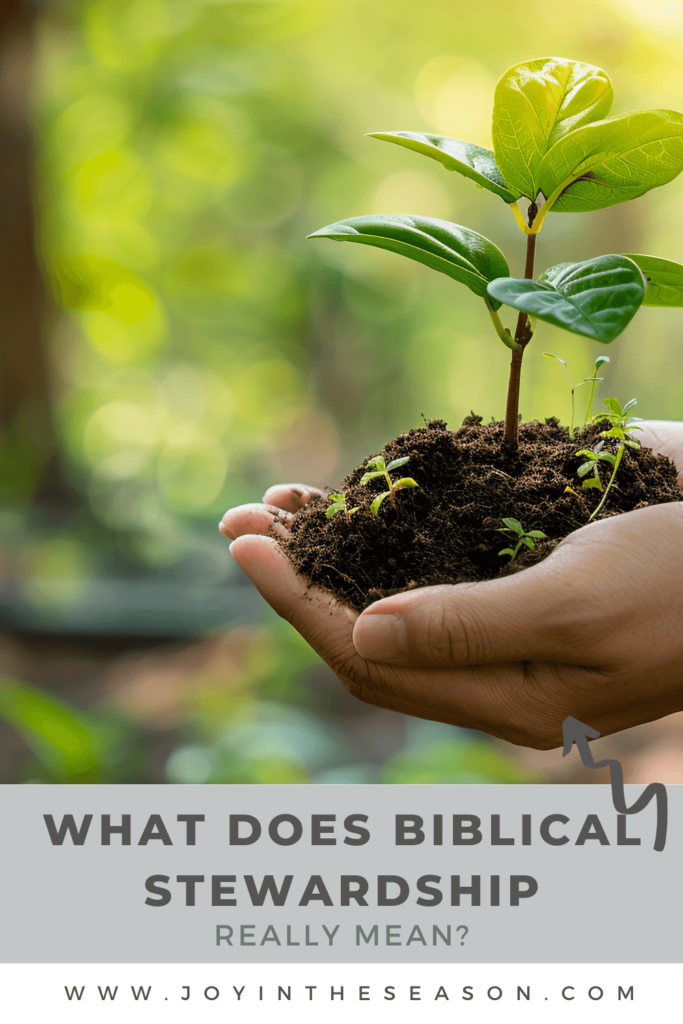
380 637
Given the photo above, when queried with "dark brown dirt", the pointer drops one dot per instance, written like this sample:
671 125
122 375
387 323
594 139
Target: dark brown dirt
446 530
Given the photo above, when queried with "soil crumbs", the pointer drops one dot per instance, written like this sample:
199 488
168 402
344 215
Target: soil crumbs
447 529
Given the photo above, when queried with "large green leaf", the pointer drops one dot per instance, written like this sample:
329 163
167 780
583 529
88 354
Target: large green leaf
597 298
472 161
449 248
536 104
664 280
617 159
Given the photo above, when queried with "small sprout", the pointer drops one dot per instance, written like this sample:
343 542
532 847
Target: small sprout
621 423
339 505
590 466
587 380
621 426
378 467
522 536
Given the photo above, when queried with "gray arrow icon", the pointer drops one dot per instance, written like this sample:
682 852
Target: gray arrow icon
577 732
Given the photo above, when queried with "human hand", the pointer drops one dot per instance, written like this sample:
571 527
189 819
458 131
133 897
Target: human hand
594 631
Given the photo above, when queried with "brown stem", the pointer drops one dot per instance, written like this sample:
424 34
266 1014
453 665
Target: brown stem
522 337
512 407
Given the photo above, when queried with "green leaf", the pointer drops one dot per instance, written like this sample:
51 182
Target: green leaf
629 405
614 407
398 462
464 157
601 360
406 481
514 525
374 508
592 482
538 534
376 463
607 457
334 496
585 469
587 452
617 159
453 250
367 477
337 506
528 542
597 299
664 280
536 104
507 551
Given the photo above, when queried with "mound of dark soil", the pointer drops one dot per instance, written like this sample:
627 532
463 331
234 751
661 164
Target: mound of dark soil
446 530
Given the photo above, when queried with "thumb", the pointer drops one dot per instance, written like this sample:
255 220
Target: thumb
523 617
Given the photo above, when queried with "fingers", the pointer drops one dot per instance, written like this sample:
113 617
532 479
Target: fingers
254 518
272 516
290 497
324 623
666 438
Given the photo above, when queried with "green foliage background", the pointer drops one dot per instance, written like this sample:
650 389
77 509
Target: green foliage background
205 349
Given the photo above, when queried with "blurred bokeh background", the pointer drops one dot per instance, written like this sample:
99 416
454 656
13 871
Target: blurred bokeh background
171 344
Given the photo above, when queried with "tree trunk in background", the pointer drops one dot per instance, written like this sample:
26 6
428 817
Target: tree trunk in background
29 461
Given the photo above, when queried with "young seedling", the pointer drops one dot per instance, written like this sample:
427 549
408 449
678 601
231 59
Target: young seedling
593 459
339 505
621 424
556 148
621 427
586 380
523 537
377 468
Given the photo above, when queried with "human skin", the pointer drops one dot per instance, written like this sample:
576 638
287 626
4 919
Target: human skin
594 631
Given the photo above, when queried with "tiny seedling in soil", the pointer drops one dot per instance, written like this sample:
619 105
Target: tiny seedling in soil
556 150
377 468
621 427
621 424
524 537
593 457
338 505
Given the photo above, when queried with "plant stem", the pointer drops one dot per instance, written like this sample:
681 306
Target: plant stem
522 338
611 481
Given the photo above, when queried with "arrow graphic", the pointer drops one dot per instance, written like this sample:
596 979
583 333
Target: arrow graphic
577 732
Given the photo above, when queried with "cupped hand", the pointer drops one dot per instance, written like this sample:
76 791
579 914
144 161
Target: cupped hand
594 631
